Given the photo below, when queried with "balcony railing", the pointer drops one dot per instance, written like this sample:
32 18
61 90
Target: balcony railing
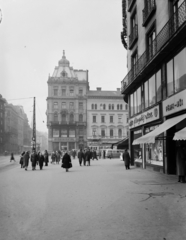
148 11
133 36
130 4
164 36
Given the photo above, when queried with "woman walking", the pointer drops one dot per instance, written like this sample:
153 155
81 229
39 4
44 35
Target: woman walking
21 159
46 158
12 157
66 161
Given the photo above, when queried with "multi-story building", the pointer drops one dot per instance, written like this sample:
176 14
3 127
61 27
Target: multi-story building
155 86
66 107
2 124
107 118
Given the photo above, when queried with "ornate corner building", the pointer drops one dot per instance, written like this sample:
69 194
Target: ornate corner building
66 107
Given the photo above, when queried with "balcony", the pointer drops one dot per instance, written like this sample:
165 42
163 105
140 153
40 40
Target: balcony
130 4
133 37
169 38
148 11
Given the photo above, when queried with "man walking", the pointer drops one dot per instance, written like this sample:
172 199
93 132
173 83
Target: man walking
87 157
80 156
126 159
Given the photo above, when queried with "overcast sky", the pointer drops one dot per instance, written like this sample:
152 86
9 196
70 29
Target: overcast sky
33 35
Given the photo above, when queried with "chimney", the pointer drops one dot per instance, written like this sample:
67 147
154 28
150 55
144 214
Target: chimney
118 89
98 89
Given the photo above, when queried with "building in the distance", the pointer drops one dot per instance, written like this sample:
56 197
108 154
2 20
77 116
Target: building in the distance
107 118
66 107
2 124
155 85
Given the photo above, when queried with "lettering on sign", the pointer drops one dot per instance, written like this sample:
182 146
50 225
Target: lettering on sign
172 106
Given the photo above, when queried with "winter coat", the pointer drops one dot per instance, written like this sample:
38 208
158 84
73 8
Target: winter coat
88 156
46 157
41 160
34 159
81 155
26 159
126 158
180 162
66 161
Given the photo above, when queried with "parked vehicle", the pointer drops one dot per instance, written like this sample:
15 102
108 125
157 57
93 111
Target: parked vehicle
113 153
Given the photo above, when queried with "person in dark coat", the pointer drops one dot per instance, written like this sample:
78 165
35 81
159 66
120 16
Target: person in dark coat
41 160
66 161
58 156
126 159
12 157
88 156
104 154
53 157
21 159
81 156
26 160
94 155
34 159
46 158
180 163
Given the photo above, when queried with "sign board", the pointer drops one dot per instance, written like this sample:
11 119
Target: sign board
175 103
146 117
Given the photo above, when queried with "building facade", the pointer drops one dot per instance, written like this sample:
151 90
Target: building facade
107 118
2 124
66 107
154 33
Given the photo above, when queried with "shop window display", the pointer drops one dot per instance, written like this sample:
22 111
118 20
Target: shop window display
137 150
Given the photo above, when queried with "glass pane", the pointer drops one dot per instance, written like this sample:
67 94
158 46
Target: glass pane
135 102
139 99
146 94
64 132
152 96
170 78
180 71
131 105
158 86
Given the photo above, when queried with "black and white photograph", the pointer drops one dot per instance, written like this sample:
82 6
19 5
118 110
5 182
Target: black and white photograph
92 119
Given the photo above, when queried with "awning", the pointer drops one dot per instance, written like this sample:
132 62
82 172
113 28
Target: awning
121 144
150 137
180 135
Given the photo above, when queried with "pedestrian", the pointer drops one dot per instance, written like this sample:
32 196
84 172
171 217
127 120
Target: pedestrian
34 159
104 154
46 158
12 157
87 157
126 159
26 160
94 155
41 160
66 161
53 157
58 156
21 159
81 156
180 163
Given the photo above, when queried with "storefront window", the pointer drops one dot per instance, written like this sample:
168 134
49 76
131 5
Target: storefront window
64 133
158 86
137 150
146 94
154 151
152 96
170 90
180 71
72 133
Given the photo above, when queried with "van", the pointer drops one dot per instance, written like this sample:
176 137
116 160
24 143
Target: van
113 153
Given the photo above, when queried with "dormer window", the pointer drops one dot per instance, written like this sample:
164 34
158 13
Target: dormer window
63 74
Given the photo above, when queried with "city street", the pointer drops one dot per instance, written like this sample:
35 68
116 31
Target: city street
100 202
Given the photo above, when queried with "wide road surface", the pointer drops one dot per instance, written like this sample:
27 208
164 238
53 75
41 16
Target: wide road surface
100 202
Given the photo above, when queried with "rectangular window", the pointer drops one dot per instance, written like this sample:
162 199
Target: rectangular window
55 105
81 105
80 91
135 102
152 96
180 70
127 118
102 133
63 91
119 119
72 133
131 105
71 91
94 119
94 132
158 86
63 132
170 86
71 105
111 119
146 94
55 132
55 91
102 119
63 106
111 133
138 100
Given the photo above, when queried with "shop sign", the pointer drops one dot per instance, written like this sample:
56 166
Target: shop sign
62 139
146 117
175 103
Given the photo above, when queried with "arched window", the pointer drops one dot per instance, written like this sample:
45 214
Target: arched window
109 106
104 107
55 117
112 106
117 106
71 117
111 133
80 118
126 106
95 106
121 106
63 118
119 132
101 106
92 106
